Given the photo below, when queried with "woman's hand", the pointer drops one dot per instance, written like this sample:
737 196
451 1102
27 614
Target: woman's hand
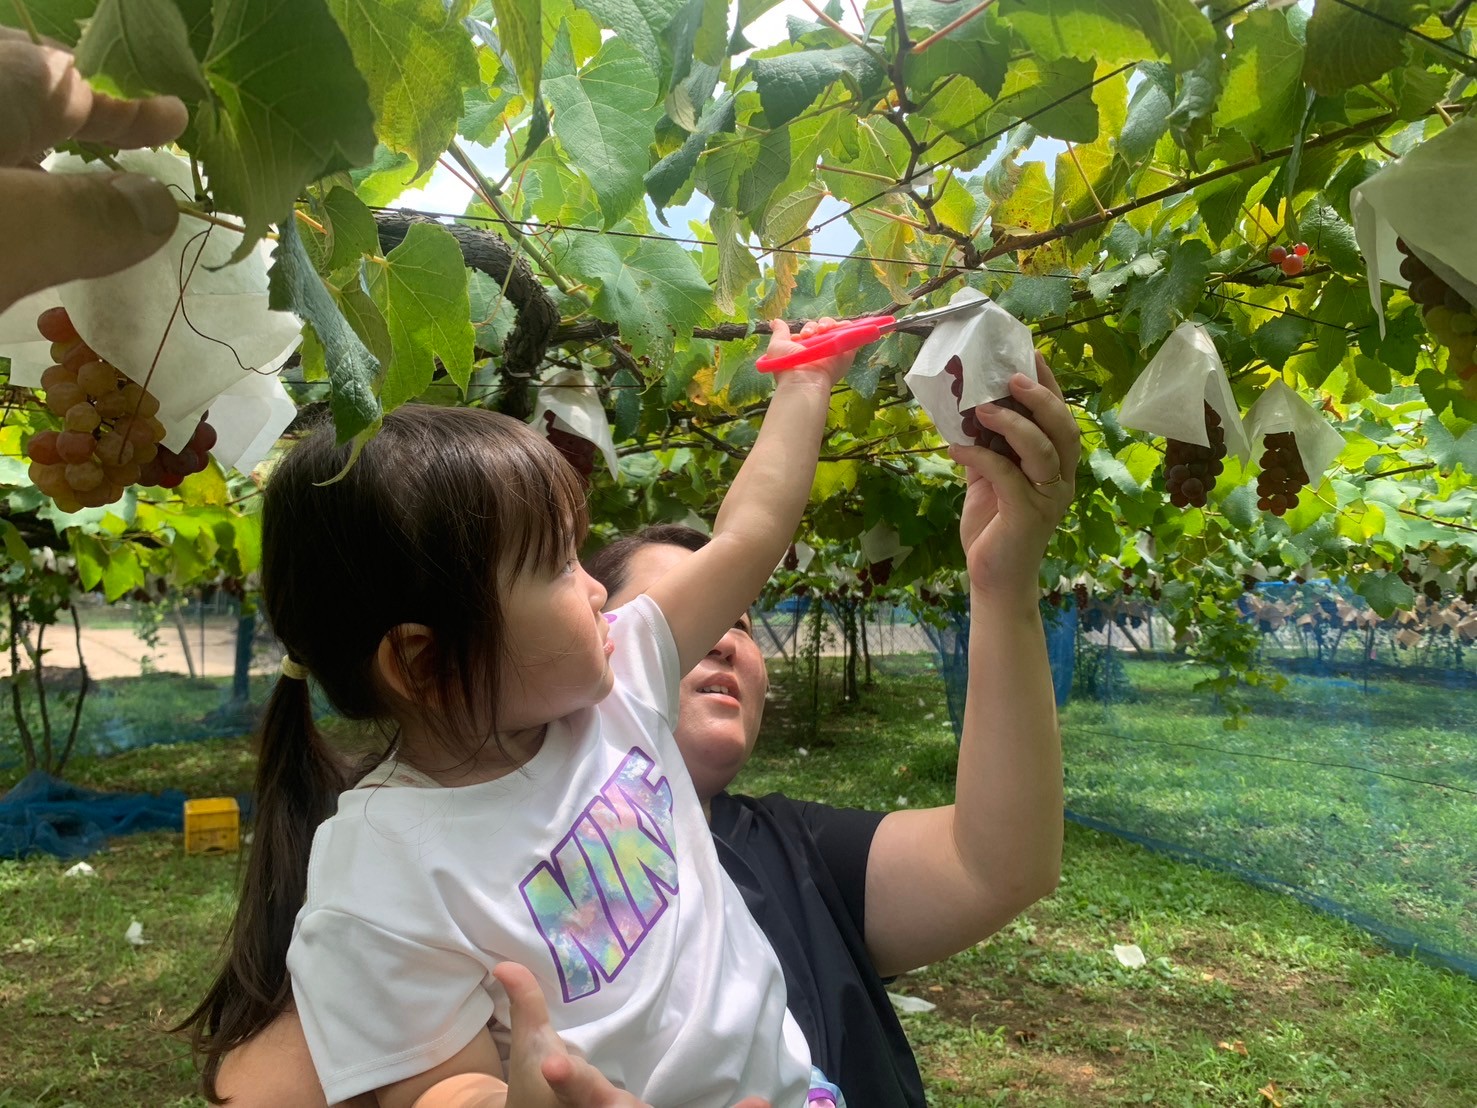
1010 513
58 227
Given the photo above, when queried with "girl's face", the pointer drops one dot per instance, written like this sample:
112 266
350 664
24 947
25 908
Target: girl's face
558 646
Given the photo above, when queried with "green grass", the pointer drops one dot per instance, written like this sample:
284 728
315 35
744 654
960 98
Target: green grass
1323 789
1040 1015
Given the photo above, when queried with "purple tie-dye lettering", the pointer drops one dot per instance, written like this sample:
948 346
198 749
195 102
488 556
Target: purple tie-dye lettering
608 880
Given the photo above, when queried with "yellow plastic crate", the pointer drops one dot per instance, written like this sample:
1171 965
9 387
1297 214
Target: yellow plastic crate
212 826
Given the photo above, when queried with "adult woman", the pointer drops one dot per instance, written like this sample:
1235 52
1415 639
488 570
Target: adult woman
849 898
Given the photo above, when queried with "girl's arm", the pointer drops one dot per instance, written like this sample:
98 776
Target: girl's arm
473 1078
703 596
942 879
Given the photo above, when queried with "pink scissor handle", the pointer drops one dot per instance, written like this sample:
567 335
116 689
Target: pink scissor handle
838 340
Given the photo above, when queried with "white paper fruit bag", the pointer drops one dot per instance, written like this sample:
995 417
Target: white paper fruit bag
969 359
219 333
569 412
1427 199
1170 395
1280 410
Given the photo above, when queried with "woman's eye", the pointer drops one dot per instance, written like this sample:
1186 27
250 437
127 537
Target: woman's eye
569 565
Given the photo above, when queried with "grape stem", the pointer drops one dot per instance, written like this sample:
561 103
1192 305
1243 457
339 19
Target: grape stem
199 213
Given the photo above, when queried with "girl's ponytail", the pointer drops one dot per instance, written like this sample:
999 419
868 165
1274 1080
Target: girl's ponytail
298 781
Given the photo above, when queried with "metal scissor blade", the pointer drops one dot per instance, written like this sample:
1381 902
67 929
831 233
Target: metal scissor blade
947 310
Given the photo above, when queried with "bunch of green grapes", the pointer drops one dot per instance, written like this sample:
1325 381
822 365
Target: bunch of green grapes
1451 320
110 436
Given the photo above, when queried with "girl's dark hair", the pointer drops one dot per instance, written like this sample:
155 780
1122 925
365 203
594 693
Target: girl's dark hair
416 530
610 564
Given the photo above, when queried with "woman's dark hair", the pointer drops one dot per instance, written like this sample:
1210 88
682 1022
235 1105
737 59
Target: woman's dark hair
610 564
416 530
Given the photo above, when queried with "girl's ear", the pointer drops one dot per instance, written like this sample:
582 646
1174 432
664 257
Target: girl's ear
402 659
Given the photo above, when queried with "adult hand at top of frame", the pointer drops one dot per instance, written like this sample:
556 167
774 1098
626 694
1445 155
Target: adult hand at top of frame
1010 513
59 227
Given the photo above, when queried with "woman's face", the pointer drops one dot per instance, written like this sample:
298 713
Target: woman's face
722 698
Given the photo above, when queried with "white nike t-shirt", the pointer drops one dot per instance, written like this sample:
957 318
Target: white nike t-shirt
593 866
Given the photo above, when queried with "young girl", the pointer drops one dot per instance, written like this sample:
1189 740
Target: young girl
533 808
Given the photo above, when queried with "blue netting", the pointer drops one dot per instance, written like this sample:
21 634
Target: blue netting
1353 787
202 673
43 815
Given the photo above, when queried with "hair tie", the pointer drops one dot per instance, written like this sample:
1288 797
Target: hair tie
293 671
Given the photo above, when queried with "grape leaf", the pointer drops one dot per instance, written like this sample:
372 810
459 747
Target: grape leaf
638 22
1385 592
352 227
417 59
289 107
651 289
1448 451
1148 111
421 289
789 83
1054 96
605 118
1028 208
1109 470
1037 297
1263 97
57 19
520 27
143 47
736 264
352 370
493 314
1165 299
1349 44
1332 239
1113 34
385 178
668 175
1278 339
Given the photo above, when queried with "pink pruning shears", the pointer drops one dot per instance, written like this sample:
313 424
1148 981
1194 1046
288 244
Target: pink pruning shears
856 333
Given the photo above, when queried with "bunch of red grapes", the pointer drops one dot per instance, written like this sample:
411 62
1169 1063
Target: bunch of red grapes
578 452
1450 319
109 438
873 576
1283 474
983 436
1290 261
1190 470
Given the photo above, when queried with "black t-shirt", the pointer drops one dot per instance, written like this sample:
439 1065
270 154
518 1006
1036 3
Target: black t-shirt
802 869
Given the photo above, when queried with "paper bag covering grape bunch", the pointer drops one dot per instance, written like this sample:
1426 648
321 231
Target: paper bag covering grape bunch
1416 225
131 364
974 349
969 359
1184 396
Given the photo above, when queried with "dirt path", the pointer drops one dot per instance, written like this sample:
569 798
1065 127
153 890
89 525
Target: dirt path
114 651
